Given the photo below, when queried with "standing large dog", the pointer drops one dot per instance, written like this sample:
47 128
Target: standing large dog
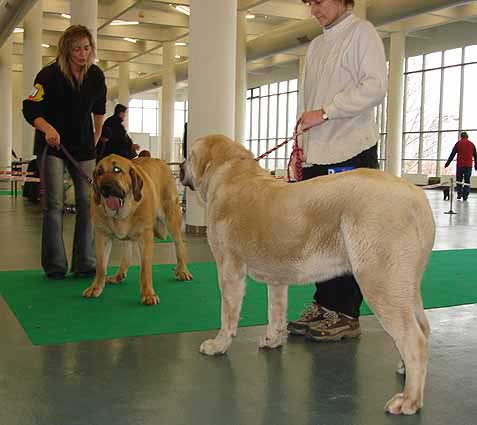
366 222
133 201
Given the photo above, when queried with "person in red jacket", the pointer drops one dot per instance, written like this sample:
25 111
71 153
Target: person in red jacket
465 151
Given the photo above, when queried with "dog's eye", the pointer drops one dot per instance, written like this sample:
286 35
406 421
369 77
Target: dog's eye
100 171
116 169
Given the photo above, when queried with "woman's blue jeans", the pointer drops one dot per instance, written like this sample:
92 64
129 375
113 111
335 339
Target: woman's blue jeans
53 255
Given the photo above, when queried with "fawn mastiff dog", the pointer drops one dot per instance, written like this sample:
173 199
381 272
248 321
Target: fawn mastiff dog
366 222
133 201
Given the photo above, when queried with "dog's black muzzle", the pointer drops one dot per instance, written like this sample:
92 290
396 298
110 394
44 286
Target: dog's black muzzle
108 189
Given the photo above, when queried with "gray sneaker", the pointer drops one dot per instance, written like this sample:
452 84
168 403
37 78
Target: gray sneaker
311 314
333 327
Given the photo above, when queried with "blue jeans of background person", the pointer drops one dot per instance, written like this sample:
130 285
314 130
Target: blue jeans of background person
463 174
53 256
342 293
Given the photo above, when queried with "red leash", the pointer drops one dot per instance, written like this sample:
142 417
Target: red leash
296 155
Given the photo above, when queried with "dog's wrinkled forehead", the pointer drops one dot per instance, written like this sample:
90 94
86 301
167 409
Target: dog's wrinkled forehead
112 165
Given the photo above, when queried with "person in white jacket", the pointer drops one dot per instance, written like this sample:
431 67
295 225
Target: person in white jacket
345 78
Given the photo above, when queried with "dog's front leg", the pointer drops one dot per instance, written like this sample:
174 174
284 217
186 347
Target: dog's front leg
232 286
103 250
276 334
145 244
126 257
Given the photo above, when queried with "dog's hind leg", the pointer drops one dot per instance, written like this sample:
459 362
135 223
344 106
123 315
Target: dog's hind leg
276 334
173 220
126 258
232 275
395 308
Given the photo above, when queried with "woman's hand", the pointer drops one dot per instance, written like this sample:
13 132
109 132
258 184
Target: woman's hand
311 119
52 137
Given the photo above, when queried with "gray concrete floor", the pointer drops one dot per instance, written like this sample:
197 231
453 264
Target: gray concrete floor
164 380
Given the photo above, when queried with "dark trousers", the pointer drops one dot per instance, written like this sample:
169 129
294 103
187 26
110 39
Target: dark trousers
463 181
342 293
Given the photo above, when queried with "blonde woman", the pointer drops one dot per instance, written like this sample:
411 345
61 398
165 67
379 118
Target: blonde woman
68 96
345 77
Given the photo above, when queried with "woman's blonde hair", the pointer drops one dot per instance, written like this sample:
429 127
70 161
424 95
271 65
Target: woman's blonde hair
71 35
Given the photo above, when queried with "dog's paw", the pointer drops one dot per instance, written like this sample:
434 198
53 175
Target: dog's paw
401 405
272 341
183 275
117 278
93 291
214 347
150 299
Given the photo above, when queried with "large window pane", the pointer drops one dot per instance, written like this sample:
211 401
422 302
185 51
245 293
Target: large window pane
255 117
414 63
433 60
451 98
413 102
272 123
411 167
282 115
429 167
263 117
135 120
469 116
470 54
452 57
150 121
411 146
429 146
292 111
448 140
432 84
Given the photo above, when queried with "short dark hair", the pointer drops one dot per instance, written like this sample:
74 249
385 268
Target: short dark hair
348 3
464 135
120 108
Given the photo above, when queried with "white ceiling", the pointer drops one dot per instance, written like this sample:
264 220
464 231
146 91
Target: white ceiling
160 21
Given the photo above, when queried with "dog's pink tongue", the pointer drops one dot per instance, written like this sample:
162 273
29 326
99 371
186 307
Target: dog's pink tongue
113 202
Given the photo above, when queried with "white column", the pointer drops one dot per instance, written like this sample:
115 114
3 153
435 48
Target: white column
32 63
17 118
395 103
85 12
212 68
241 78
6 100
123 92
167 100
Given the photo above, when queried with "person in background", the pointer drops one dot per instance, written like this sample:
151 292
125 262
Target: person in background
67 108
345 78
465 151
119 142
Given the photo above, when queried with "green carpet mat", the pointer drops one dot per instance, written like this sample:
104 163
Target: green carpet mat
9 193
53 312
167 240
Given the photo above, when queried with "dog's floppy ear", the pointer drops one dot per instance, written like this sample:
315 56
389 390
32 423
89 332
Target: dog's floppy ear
136 184
97 194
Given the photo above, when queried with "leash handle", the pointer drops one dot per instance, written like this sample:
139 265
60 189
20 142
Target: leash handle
296 156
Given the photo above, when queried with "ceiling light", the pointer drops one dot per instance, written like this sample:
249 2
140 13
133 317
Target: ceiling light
18 30
249 16
181 43
45 45
131 40
178 57
120 22
66 16
183 9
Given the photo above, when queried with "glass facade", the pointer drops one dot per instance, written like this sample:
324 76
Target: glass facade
439 91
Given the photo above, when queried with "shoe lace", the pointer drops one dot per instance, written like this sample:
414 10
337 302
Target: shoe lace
310 311
330 317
